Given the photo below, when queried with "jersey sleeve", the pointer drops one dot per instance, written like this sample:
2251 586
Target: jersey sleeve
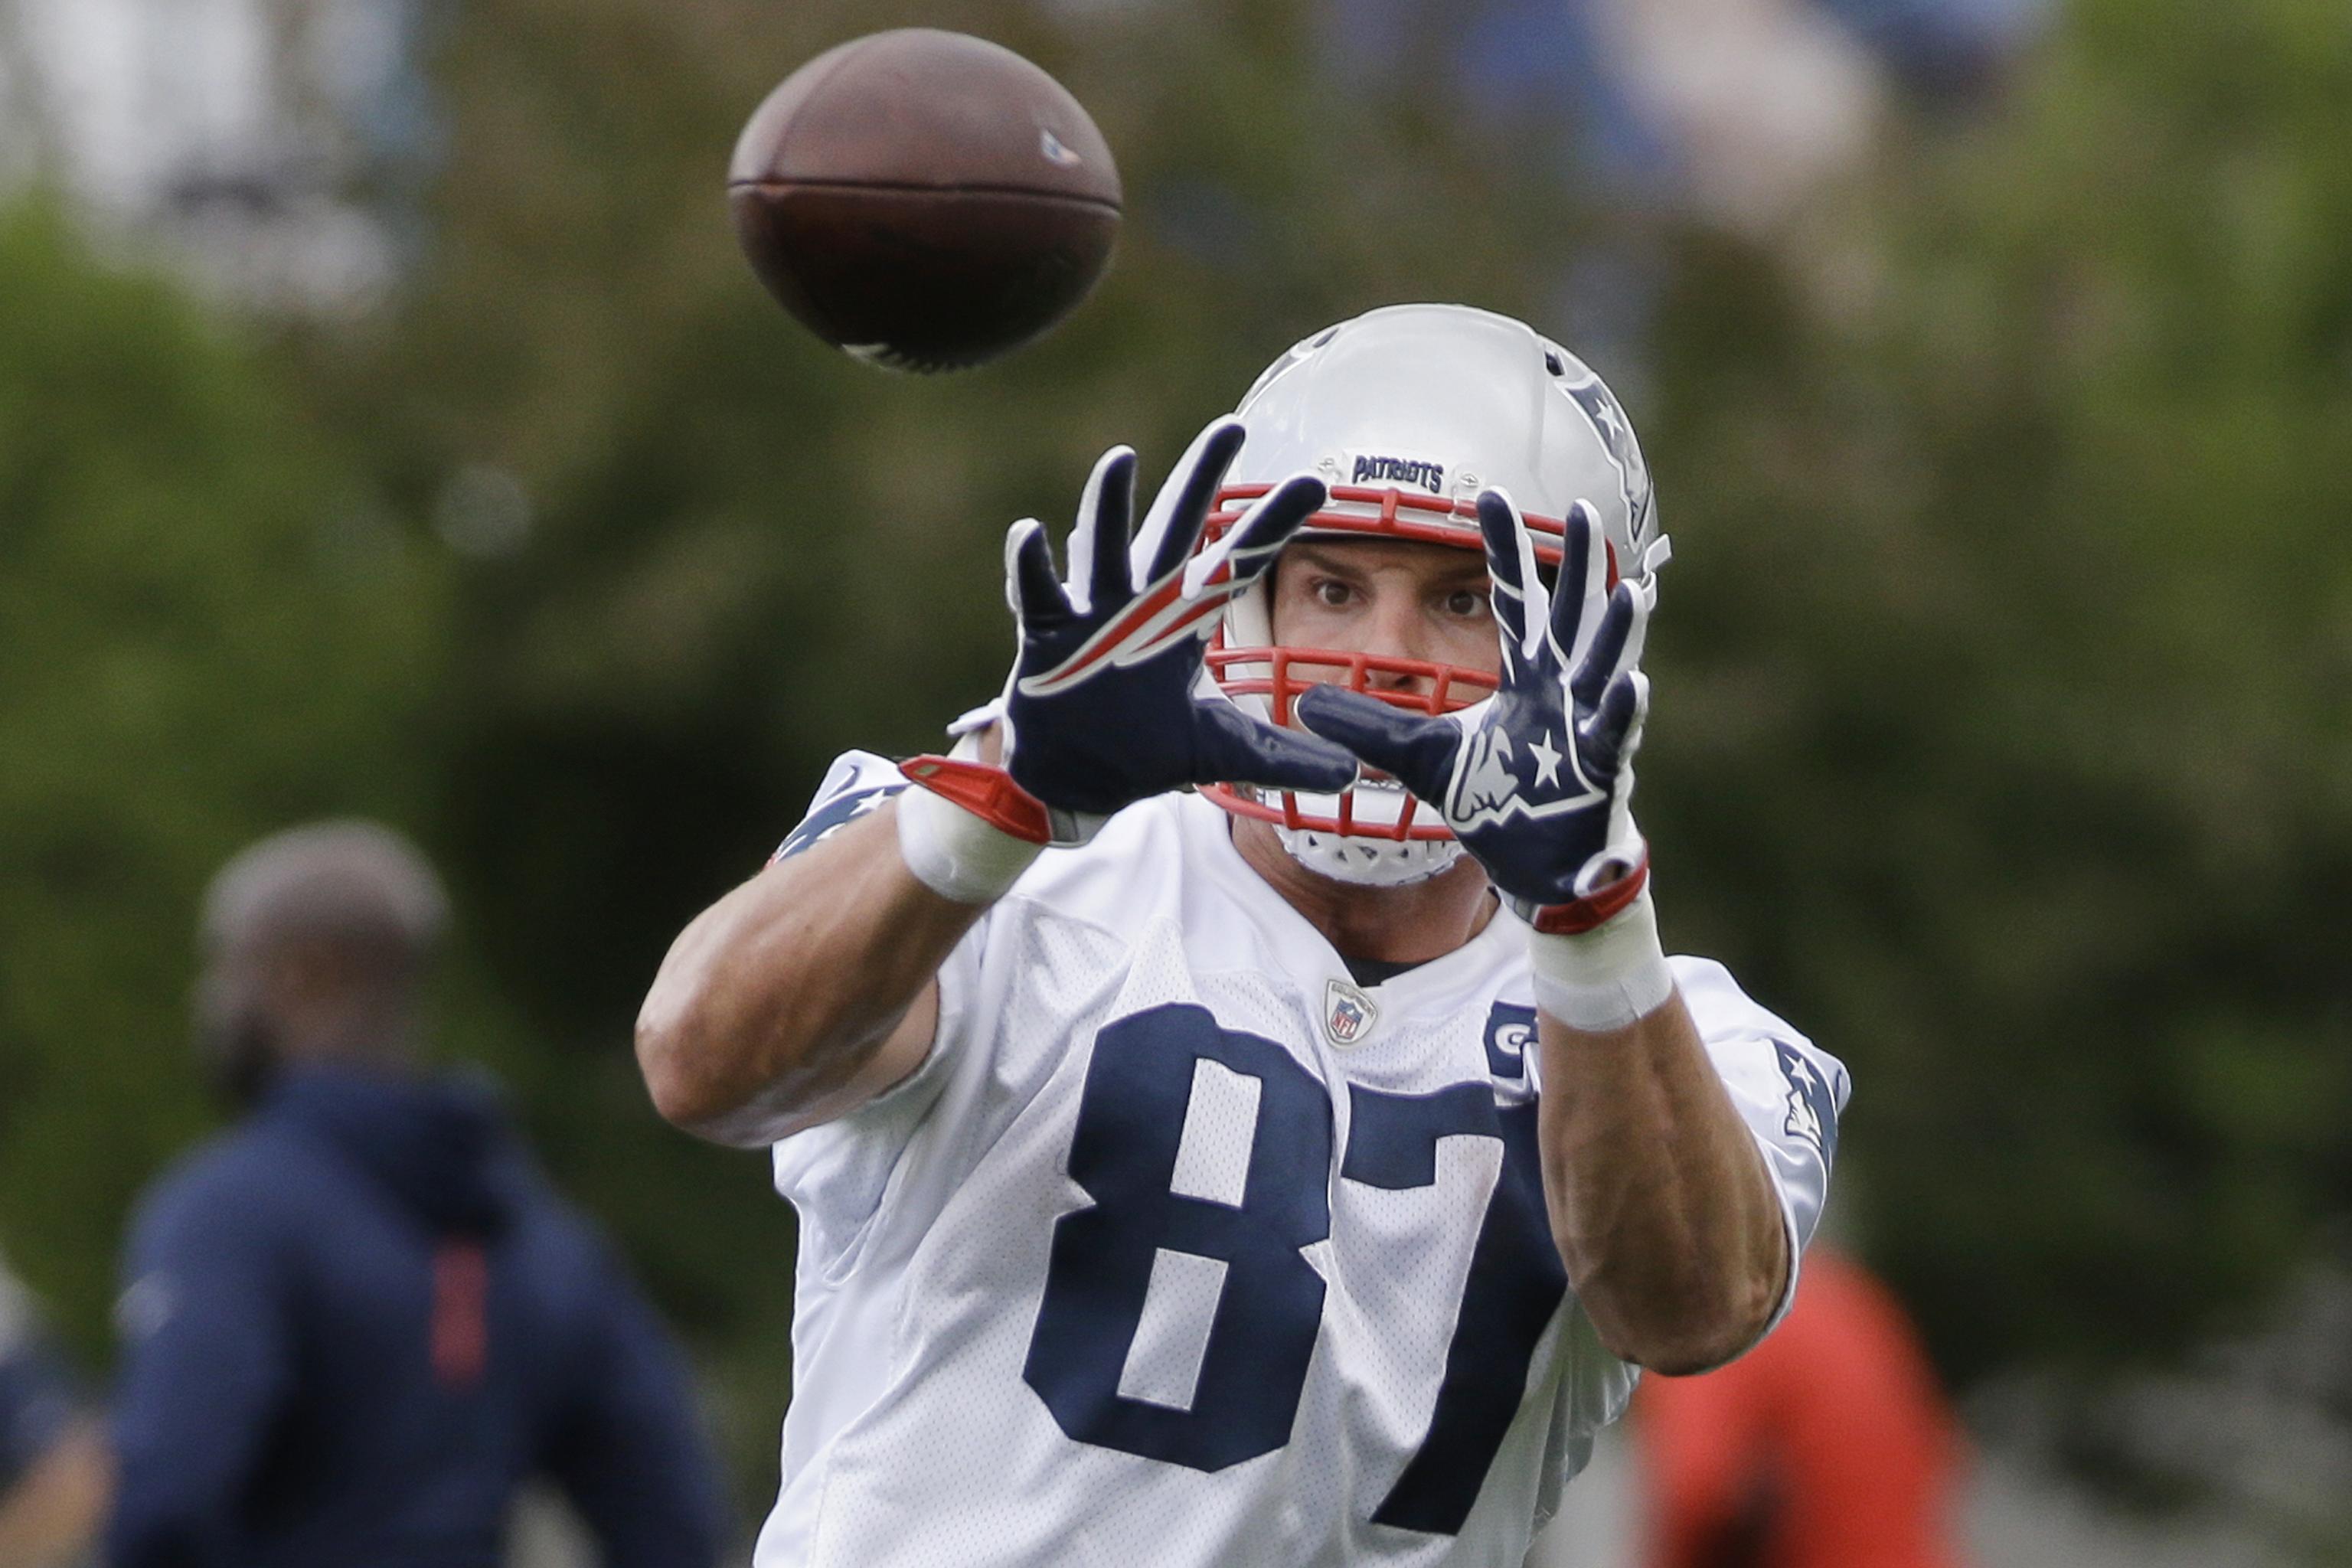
1788 1090
208 1360
857 785
835 1174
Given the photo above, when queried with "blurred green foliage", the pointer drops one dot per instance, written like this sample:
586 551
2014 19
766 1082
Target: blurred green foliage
209 625
2018 601
2001 736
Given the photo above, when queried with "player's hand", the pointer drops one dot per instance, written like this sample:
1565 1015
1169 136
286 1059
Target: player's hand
1536 781
1104 707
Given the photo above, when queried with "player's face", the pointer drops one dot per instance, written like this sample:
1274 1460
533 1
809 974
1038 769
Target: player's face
1391 597
236 1042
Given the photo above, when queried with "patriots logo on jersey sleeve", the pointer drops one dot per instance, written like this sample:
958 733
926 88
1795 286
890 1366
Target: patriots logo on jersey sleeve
1812 1103
832 817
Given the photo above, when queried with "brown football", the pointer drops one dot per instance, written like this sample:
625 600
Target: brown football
925 200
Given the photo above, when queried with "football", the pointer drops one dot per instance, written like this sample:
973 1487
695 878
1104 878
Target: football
924 200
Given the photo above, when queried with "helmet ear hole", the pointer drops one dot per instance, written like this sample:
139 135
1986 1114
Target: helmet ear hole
1553 364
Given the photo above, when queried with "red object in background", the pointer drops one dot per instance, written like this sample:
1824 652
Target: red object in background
1829 1445
461 1314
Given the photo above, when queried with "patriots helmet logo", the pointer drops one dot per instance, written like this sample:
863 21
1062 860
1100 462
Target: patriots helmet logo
1608 419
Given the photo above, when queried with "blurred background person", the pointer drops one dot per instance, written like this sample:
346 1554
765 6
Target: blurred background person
1829 1445
53 1461
356 1324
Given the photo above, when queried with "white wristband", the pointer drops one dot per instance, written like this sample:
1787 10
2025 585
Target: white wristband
954 853
1605 978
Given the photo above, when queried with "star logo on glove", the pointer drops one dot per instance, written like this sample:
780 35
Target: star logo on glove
1491 786
1546 758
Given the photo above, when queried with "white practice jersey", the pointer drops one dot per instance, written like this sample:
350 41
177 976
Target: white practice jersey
1181 1249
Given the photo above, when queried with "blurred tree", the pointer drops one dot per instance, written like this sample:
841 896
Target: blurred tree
2006 730
207 629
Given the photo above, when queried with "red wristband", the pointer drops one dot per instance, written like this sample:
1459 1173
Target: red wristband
1596 908
987 793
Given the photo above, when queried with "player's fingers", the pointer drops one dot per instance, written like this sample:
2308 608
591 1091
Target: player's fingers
1645 605
1611 737
1616 645
1511 564
1173 526
1250 545
1583 583
1231 747
1030 586
1098 544
1417 751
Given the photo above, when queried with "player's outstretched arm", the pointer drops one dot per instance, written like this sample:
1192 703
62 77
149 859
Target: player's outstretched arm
810 989
1661 1203
801 995
1663 1214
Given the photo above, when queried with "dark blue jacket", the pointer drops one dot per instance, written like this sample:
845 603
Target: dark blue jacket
357 1324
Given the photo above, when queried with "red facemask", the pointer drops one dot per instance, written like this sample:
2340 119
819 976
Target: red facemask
1275 674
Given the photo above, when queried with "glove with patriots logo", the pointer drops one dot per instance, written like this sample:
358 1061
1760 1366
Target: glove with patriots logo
1103 707
1536 781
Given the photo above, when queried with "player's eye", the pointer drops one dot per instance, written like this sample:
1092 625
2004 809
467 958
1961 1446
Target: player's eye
1330 593
1465 603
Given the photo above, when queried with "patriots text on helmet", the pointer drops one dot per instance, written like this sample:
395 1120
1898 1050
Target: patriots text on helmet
1430 477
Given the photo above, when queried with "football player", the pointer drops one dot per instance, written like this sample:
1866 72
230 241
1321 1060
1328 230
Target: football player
1237 1105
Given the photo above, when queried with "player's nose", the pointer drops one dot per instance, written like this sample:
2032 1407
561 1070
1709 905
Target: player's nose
1398 631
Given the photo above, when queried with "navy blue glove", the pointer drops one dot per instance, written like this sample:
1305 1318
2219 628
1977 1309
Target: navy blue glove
1104 707
1536 781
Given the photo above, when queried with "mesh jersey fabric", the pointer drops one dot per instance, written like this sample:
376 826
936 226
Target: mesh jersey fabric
1180 1247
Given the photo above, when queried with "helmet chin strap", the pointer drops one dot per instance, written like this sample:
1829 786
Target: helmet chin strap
1368 862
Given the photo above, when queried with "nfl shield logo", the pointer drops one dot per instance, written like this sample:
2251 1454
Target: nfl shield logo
1347 1013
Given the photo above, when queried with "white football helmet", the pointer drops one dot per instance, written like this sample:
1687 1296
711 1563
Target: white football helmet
1407 413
